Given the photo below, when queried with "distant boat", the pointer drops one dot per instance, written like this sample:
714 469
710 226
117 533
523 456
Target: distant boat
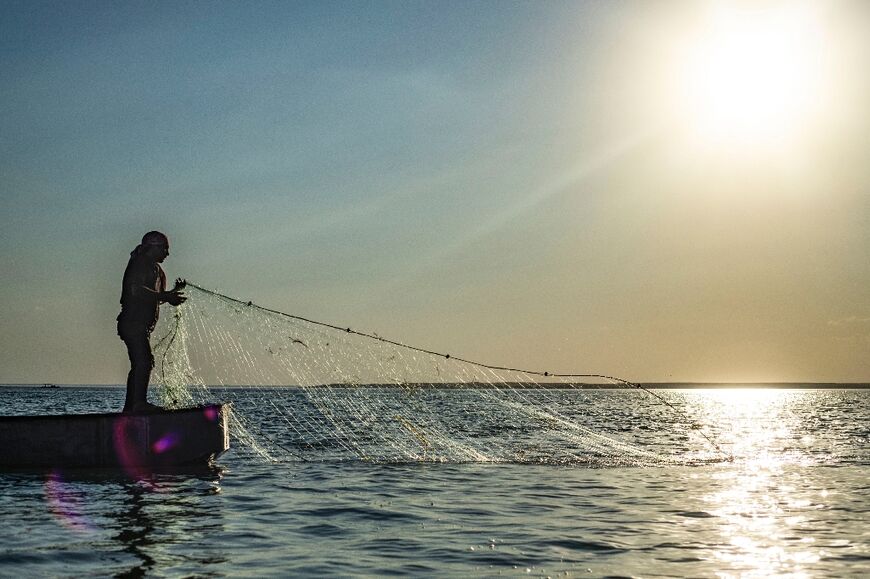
50 386
189 436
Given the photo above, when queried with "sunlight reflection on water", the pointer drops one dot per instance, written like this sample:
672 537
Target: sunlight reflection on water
758 425
761 514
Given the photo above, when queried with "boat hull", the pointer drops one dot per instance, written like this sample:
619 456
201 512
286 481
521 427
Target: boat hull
188 436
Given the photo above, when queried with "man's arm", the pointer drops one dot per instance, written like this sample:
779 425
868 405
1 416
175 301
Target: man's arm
174 296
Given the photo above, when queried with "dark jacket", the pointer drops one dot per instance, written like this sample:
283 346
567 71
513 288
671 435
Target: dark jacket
140 309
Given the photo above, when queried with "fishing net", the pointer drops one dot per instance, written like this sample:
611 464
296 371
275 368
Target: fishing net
308 390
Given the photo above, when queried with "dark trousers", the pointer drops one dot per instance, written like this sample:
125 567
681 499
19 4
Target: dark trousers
141 363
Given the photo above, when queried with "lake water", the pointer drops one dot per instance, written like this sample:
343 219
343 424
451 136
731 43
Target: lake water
793 502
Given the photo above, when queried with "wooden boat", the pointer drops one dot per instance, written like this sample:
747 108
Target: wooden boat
189 436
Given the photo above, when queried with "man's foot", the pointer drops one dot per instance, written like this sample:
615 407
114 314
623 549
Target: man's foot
145 408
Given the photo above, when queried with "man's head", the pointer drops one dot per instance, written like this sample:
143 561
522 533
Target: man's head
156 245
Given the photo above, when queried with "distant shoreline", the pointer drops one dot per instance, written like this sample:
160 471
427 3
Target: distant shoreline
560 386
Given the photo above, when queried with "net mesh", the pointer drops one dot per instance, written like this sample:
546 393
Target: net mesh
307 390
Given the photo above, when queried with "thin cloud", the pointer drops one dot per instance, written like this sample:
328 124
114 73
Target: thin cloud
850 321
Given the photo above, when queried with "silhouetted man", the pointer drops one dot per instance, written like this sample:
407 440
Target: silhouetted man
143 291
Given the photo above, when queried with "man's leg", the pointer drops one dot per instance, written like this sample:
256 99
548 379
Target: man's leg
128 399
141 363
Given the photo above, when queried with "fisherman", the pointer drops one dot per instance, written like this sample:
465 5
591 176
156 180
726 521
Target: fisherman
144 289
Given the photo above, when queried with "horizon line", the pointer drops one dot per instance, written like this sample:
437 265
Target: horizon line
562 385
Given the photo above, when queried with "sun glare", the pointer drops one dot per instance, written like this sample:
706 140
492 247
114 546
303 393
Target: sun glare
753 77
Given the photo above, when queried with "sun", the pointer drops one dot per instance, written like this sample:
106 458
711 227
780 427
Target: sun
753 77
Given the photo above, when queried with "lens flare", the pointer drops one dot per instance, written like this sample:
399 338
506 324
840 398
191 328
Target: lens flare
130 440
65 503
211 413
165 443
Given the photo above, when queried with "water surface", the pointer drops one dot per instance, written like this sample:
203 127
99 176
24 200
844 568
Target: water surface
793 502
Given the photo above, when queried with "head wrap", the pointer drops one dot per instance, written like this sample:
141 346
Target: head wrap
151 238
155 238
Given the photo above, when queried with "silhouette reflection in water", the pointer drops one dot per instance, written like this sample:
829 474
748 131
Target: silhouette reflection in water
151 522
159 516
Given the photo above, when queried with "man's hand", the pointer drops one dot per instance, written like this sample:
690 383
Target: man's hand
175 297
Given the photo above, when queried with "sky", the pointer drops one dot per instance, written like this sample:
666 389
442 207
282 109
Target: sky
669 191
